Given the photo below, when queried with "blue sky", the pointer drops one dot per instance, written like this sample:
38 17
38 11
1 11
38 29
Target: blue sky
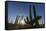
22 9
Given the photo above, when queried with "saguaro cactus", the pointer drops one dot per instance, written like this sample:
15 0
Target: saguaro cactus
36 18
34 10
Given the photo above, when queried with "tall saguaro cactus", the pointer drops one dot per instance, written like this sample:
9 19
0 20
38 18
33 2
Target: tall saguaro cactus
36 20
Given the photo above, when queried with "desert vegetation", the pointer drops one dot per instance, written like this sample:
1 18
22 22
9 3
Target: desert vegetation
25 23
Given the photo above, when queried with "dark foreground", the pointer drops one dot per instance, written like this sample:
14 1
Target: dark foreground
27 26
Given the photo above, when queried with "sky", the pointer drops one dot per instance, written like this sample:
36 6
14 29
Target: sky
22 9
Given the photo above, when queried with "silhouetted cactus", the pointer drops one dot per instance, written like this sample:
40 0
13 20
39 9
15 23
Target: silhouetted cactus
36 17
